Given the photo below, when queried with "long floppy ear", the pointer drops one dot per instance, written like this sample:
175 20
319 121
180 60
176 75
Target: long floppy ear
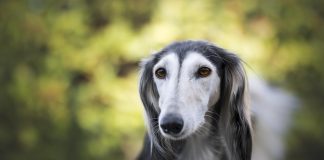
235 119
149 94
147 88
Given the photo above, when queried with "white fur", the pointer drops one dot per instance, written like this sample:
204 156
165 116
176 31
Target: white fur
183 93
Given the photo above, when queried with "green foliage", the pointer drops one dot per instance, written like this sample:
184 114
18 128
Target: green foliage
68 69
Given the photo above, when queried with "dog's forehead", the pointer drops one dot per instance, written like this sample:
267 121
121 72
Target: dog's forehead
189 58
194 60
182 48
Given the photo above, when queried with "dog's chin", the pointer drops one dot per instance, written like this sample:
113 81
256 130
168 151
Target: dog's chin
174 137
178 137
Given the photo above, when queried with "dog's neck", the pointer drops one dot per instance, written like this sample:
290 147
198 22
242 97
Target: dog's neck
199 148
202 146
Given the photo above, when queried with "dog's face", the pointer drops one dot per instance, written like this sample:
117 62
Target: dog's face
187 81
187 87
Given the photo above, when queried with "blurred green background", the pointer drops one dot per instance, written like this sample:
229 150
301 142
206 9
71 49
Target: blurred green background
69 68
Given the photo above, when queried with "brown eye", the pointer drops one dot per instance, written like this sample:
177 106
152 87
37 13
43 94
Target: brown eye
203 72
160 73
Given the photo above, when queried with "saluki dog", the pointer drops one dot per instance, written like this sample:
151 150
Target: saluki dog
195 97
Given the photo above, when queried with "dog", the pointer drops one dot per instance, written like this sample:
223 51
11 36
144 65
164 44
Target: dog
196 101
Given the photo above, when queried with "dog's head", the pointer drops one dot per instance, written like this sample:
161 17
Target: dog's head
188 81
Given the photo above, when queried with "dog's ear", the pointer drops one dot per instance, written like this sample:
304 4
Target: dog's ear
235 118
148 91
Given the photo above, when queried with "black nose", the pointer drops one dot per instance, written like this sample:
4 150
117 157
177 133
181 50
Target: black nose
172 124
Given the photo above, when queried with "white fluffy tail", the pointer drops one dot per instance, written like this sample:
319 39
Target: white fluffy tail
272 110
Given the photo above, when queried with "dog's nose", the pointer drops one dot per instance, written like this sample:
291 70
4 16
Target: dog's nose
172 124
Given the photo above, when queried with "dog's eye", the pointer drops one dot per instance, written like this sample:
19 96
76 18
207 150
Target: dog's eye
203 72
160 73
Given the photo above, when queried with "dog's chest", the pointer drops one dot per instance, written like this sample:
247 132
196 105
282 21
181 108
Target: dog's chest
199 149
